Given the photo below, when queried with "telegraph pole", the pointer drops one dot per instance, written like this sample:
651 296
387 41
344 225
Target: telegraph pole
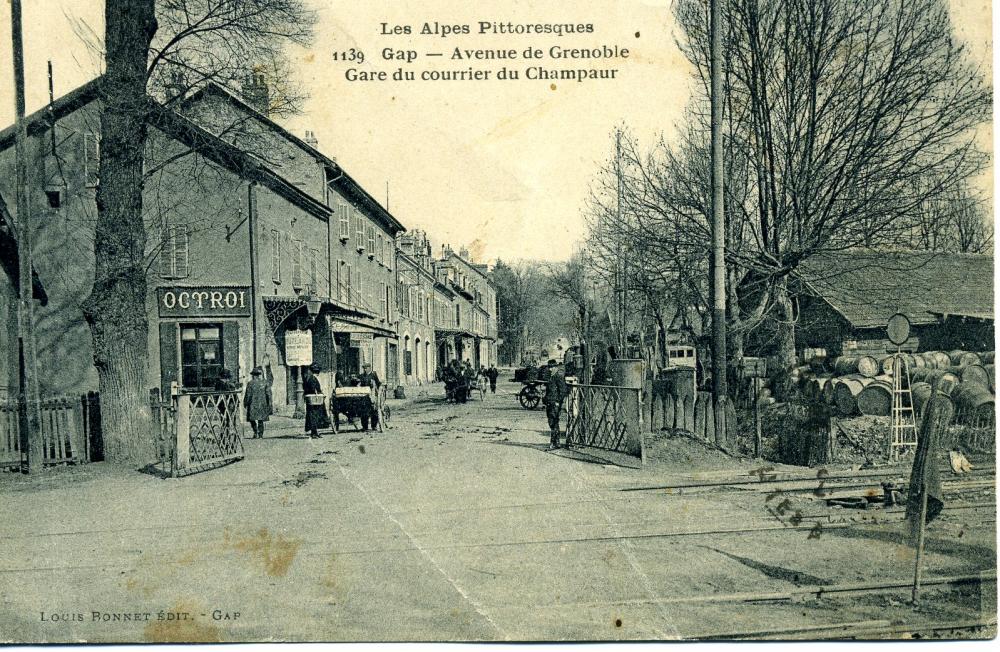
719 388
32 417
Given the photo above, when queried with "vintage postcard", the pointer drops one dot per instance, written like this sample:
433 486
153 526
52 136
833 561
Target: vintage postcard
497 320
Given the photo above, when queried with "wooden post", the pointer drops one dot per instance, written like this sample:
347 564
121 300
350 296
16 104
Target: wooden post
922 525
757 442
30 395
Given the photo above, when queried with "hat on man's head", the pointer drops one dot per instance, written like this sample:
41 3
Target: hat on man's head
552 362
314 368
257 371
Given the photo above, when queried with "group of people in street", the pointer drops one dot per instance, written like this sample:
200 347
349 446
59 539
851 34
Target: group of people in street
259 406
460 379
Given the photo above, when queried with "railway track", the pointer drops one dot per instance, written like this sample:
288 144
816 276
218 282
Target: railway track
866 630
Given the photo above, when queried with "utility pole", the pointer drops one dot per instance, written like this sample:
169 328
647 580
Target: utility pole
30 396
719 389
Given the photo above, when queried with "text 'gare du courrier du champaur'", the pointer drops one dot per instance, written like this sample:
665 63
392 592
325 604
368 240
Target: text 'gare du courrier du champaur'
527 61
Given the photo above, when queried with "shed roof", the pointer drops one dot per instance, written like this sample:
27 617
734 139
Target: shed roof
867 287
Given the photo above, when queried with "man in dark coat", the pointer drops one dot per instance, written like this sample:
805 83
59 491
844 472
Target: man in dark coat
257 402
555 392
316 416
370 379
492 374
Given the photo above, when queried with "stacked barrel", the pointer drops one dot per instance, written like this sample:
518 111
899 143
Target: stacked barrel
862 384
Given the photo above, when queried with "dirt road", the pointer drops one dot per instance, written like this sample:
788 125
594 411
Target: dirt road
454 524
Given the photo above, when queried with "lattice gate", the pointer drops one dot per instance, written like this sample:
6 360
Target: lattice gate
198 431
605 417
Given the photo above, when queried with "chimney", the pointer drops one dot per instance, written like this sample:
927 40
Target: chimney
464 253
311 139
176 86
256 93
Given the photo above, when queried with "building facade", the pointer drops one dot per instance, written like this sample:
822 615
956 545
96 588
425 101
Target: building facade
242 252
261 251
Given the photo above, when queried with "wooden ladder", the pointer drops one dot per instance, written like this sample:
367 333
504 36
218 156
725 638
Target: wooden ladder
903 428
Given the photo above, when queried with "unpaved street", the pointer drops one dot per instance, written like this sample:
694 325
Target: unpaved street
454 524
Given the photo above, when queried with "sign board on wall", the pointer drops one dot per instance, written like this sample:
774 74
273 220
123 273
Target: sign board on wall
204 301
362 339
298 348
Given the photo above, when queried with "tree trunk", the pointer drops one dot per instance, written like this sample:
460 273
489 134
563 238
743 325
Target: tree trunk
116 307
785 315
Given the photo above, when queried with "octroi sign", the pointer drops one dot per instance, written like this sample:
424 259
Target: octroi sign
204 301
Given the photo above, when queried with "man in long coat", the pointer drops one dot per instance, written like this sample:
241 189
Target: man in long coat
555 391
257 402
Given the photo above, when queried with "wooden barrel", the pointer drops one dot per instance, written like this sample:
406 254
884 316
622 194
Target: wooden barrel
945 379
974 404
921 393
972 373
875 399
920 375
827 390
942 358
864 365
886 364
916 361
955 356
930 360
969 358
845 394
987 357
991 373
818 384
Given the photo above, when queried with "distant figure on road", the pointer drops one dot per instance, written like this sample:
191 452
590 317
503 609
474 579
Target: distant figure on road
316 416
555 392
371 380
492 374
257 402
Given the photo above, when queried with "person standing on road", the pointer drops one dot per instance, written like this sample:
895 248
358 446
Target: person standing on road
316 416
257 402
555 392
492 374
370 380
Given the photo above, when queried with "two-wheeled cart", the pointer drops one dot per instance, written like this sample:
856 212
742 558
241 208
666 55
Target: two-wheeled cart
353 402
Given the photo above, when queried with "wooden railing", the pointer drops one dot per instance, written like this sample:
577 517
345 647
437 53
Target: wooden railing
605 417
63 429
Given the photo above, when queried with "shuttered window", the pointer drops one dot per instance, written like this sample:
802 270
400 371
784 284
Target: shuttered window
296 264
276 256
359 231
174 261
380 250
91 158
349 284
371 240
345 221
314 271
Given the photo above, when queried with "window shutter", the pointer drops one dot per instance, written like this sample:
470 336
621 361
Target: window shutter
167 253
168 356
359 229
296 264
275 256
231 348
345 224
313 270
180 244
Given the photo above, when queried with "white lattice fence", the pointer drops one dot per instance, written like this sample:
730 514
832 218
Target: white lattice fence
605 417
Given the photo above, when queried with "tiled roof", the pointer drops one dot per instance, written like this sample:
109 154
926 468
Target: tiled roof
867 287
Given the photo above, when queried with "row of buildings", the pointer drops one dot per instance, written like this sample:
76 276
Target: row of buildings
259 246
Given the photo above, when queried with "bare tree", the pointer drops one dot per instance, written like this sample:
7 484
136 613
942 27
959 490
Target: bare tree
843 107
150 46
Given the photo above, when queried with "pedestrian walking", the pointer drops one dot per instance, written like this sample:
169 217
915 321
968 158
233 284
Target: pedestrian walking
492 374
316 416
371 380
257 402
555 392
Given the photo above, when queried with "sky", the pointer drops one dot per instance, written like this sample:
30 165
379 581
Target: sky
501 167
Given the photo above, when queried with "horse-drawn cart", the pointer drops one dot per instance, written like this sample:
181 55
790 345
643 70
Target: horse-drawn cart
353 402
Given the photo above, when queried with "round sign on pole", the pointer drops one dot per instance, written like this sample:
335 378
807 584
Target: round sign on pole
898 329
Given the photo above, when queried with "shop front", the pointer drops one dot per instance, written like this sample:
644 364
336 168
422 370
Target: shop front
201 331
